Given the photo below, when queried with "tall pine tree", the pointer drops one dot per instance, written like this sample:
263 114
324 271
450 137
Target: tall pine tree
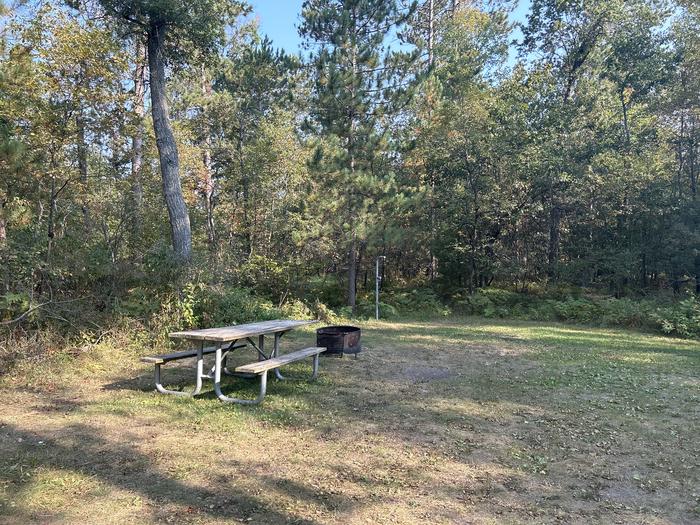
358 84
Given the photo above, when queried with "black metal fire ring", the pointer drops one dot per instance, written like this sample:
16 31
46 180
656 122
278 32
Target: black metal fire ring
339 340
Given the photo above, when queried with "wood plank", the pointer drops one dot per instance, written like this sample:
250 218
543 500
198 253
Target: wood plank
260 366
236 332
160 359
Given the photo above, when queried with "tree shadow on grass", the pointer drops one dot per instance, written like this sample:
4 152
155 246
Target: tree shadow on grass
400 399
181 377
80 449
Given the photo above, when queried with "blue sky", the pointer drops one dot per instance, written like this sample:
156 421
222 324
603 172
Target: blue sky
279 20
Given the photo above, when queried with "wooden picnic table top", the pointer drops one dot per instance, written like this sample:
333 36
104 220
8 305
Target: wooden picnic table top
241 331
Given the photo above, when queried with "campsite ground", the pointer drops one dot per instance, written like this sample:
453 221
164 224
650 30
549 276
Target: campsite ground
445 421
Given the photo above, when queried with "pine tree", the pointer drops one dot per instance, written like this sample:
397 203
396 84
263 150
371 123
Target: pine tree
358 85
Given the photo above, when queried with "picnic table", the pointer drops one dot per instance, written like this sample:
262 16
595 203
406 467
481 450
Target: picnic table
225 340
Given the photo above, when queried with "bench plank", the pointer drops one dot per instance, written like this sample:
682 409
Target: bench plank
160 359
261 366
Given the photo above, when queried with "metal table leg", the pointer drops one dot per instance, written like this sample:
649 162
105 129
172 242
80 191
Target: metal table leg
217 384
199 373
275 353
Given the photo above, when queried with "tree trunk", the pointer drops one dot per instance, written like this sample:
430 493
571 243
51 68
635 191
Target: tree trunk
245 187
167 149
554 235
52 214
3 225
691 161
137 139
83 167
625 121
352 274
352 253
433 233
208 179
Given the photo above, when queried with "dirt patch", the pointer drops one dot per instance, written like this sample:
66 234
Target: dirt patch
424 374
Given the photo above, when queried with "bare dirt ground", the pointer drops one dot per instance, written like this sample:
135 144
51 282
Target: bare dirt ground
458 421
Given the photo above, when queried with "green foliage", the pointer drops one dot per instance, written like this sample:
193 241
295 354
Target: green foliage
323 313
572 175
365 309
358 85
225 306
13 305
397 304
327 290
191 26
682 318
264 275
200 305
423 301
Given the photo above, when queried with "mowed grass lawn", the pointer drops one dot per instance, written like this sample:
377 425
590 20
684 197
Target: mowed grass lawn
446 421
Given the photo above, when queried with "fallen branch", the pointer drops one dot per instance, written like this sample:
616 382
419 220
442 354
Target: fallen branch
25 314
38 306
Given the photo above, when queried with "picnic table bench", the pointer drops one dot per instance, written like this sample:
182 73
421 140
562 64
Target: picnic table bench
227 339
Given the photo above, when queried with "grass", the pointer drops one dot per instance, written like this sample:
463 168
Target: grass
457 420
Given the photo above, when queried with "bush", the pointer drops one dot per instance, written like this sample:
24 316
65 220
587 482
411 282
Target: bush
366 309
264 275
627 313
577 310
682 318
495 302
323 313
202 305
226 306
419 300
13 305
329 291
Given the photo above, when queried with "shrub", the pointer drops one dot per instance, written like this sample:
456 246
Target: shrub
682 318
295 309
264 275
367 309
12 305
226 306
419 300
577 310
324 313
329 292
627 313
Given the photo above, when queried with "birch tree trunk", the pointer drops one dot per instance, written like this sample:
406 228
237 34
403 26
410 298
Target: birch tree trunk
167 149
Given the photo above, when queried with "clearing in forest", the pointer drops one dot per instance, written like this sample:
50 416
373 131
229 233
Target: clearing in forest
446 421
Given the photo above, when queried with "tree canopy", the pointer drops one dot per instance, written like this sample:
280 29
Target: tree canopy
472 149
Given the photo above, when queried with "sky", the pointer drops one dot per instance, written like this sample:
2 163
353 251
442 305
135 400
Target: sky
279 20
